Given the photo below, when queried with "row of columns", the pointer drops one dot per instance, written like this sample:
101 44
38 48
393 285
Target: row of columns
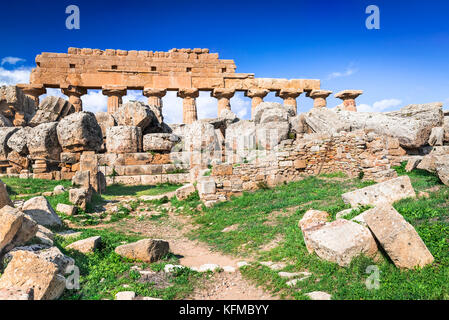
223 95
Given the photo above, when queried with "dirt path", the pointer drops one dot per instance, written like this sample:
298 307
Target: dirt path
194 254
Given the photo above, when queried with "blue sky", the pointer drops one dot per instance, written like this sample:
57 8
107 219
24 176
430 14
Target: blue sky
404 62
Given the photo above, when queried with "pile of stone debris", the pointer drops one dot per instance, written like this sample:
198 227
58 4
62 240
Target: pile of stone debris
342 240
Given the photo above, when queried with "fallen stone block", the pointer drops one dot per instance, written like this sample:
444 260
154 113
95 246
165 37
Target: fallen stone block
66 209
4 197
125 295
80 132
40 210
28 271
312 218
389 191
51 109
413 163
10 222
185 191
18 140
124 139
398 238
159 141
105 120
88 245
80 197
16 294
43 142
341 241
44 236
319 295
436 136
5 134
146 250
134 113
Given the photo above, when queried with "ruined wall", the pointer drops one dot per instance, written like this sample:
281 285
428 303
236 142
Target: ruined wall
351 153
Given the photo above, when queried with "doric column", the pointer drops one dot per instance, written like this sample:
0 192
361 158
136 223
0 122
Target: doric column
256 96
348 97
74 93
319 97
289 96
223 96
33 91
189 113
155 99
115 96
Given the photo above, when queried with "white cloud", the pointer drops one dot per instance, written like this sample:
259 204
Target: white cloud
19 75
94 101
348 72
379 106
11 60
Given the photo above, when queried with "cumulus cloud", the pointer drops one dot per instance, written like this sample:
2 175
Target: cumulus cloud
339 74
94 101
19 75
11 60
378 106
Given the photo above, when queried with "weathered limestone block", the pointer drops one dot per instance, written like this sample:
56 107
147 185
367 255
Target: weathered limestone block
341 241
312 218
18 140
134 113
52 109
5 135
297 124
185 191
436 136
206 186
146 250
10 222
26 232
413 163
86 245
428 162
16 106
201 140
398 238
412 124
80 197
44 236
240 141
89 163
271 111
159 141
385 192
43 142
79 132
16 294
446 128
40 210
66 209
4 197
17 161
124 139
70 157
105 120
442 168
322 120
28 271
270 134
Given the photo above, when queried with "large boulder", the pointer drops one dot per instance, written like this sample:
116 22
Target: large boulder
18 140
203 141
442 168
429 161
146 250
5 135
323 120
159 141
412 125
240 141
398 238
389 191
436 136
40 210
26 232
134 113
105 120
28 271
79 132
270 134
43 142
124 139
272 112
10 223
51 109
341 241
17 107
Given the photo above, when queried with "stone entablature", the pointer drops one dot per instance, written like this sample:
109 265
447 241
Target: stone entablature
178 68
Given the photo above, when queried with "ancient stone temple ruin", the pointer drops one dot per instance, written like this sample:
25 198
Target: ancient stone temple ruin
53 138
186 71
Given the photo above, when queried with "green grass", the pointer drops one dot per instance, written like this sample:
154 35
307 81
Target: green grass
104 273
26 188
270 214
137 191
